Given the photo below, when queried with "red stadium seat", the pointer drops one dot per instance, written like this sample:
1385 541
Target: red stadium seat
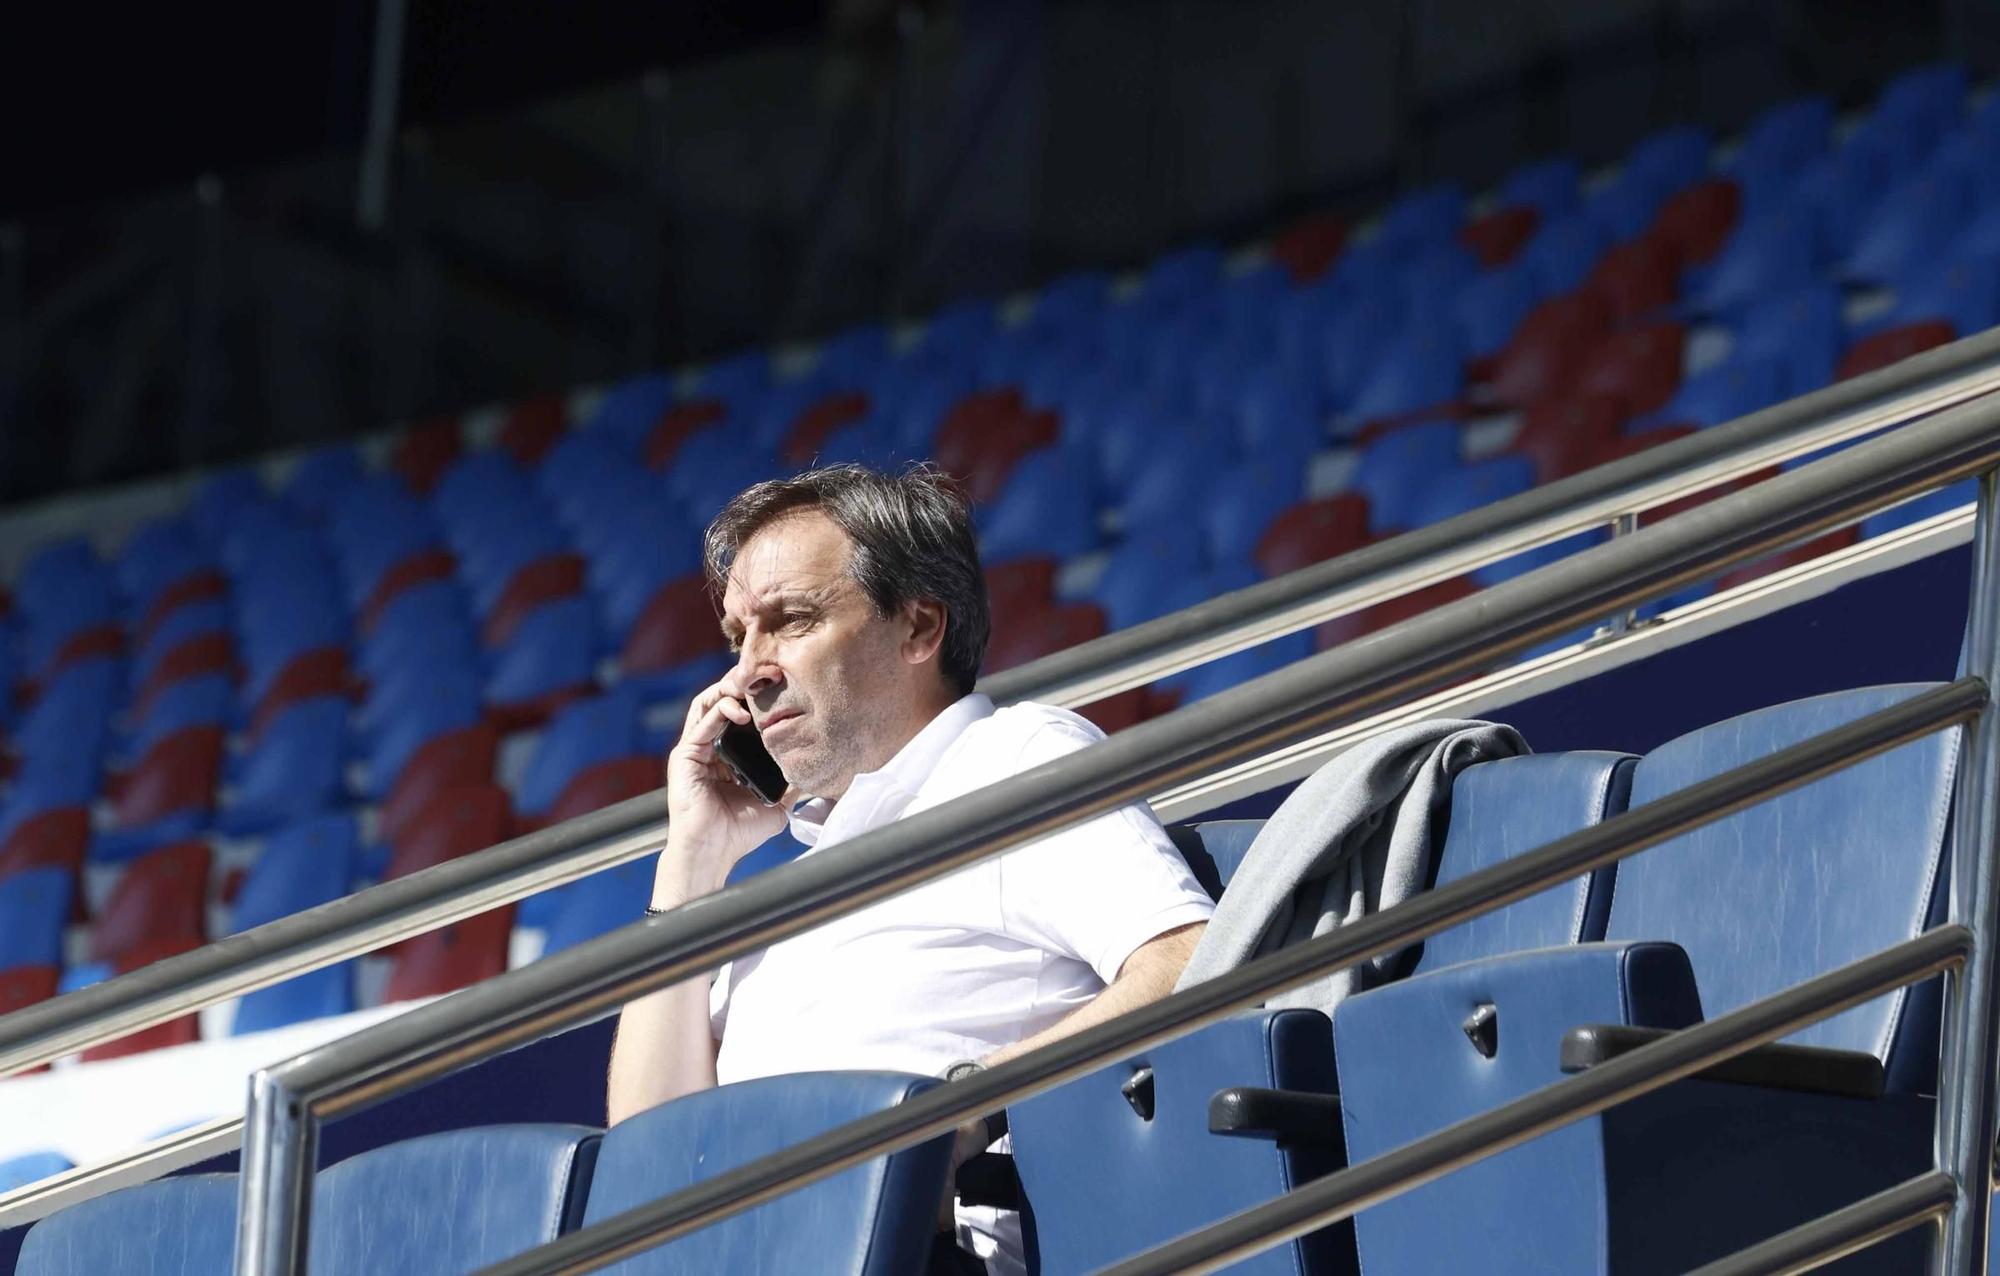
1030 433
420 568
456 759
455 822
818 422
1695 222
1307 247
162 897
1128 708
201 654
532 428
1027 638
679 625
1636 279
24 986
198 587
425 452
1313 531
1814 548
680 421
103 640
452 957
536 583
1641 366
599 786
309 675
1024 585
179 773
176 1032
1496 237
1366 621
1562 435
1893 346
1551 341
962 436
53 839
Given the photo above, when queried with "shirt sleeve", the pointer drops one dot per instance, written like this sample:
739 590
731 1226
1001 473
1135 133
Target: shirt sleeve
1096 891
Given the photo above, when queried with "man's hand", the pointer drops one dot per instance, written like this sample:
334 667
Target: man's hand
712 819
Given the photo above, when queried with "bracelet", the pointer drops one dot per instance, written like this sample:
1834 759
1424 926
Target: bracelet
657 912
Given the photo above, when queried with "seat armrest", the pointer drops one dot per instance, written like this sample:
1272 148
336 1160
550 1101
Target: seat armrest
1282 1116
1813 1069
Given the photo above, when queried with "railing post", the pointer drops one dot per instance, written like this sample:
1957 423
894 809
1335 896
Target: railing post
1966 1082
274 1201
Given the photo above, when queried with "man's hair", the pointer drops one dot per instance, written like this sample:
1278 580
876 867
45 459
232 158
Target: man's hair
912 538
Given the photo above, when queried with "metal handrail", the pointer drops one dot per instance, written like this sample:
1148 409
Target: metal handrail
383 914
1926 1198
1417 918
583 983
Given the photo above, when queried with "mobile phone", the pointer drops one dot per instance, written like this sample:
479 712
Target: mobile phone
743 750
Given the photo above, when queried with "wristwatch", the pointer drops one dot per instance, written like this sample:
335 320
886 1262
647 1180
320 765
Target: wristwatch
962 1069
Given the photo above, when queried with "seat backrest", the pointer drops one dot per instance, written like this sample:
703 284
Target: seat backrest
34 907
303 864
1806 881
876 1218
583 734
1503 808
162 895
458 821
183 1226
451 1202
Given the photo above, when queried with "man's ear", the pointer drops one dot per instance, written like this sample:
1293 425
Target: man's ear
926 619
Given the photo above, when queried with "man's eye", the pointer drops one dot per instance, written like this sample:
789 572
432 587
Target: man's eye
793 619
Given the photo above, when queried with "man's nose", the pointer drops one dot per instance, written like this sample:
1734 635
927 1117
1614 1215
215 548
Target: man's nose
757 673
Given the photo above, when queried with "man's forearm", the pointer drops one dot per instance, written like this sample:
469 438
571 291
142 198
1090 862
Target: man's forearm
1147 976
664 1048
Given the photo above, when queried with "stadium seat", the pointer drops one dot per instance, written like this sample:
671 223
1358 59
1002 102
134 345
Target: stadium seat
580 736
302 865
1019 639
1963 291
321 476
168 795
31 1167
551 658
676 425
1466 488
1779 144
1048 508
23 986
1926 506
531 427
161 898
1312 532
1232 670
1739 908
1549 342
464 756
1769 255
1723 393
531 586
1496 236
630 409
1393 471
296 768
175 1032
451 957
603 783
307 676
1562 254
1022 585
35 905
1559 434
1238 506
456 1201
872 1220
419 567
1356 624
1892 346
455 822
52 839
427 711
425 452
189 1222
199 587
596 905
1491 308
677 636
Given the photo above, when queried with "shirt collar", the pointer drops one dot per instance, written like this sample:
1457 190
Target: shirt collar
877 797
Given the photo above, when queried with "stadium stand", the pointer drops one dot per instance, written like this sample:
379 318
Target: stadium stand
365 670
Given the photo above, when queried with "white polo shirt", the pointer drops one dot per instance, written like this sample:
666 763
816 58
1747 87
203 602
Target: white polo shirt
970 962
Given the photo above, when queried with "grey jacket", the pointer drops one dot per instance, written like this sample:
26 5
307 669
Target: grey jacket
1356 837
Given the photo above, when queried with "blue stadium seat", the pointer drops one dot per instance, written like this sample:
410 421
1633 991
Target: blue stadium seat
158 555
1422 218
430 709
630 409
1175 477
295 769
583 734
1771 254
1048 506
1233 670
1149 562
220 497
1467 487
1924 103
1778 145
1907 225
1962 290
321 476
456 1201
191 621
1802 330
597 905
735 377
302 865
187 1225
51 571
775 851
1561 255
1722 393
553 649
208 700
873 1220
34 907
1423 369
1740 908
1104 1180
31 1167
1551 186
1240 503
74 710
1393 471
1277 415
1492 306
850 359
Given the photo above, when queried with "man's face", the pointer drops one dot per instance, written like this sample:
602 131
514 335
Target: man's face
823 675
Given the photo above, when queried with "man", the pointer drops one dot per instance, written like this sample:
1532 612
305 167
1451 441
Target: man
857 611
